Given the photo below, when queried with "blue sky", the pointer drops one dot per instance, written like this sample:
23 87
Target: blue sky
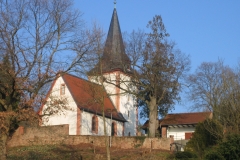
207 30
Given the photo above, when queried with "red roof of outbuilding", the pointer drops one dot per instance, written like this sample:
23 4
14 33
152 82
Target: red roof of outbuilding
182 119
91 97
146 124
186 118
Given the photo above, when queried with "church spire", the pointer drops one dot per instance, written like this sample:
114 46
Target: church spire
114 56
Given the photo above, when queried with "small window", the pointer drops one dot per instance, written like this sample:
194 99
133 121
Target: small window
114 129
188 135
95 124
62 89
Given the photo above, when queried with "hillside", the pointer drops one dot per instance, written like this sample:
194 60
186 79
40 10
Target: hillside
82 152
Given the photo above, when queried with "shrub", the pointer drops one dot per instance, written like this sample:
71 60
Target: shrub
213 155
203 137
185 155
230 149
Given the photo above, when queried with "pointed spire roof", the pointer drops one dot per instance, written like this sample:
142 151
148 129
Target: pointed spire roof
114 56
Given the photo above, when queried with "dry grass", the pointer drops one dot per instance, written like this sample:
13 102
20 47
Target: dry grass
83 152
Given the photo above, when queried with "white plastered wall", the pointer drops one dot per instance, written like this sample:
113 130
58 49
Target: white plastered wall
63 116
179 133
127 102
128 107
86 125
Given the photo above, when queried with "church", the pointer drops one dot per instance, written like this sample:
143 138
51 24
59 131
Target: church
85 104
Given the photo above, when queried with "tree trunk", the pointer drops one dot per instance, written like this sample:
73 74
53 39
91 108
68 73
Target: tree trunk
4 133
3 148
105 130
152 116
106 137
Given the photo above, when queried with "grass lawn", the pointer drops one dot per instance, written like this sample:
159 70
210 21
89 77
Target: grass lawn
83 152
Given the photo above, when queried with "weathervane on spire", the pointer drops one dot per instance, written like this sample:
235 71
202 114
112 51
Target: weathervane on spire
115 2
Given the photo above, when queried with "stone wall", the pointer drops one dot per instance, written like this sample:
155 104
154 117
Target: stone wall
49 135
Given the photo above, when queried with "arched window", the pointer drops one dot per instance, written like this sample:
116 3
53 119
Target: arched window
95 124
114 129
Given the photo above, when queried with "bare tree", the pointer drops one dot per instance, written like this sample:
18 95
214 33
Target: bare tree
215 87
38 38
205 85
158 70
228 111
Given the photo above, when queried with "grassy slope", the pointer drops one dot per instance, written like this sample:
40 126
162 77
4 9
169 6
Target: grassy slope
82 152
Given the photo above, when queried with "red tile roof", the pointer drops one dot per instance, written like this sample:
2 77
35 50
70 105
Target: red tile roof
181 119
186 118
88 97
146 124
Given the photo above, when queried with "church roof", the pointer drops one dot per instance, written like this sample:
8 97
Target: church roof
88 97
114 56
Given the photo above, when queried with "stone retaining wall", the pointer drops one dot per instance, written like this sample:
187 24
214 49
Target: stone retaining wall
49 135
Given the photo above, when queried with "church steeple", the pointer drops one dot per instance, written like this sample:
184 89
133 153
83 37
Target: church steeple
115 67
114 56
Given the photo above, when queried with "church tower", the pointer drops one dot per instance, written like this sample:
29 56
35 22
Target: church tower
115 67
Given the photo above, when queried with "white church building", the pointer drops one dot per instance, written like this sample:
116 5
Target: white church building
81 103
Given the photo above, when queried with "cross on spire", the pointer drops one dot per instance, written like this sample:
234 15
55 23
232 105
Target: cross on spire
115 2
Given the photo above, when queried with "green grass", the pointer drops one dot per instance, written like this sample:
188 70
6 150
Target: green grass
81 152
47 152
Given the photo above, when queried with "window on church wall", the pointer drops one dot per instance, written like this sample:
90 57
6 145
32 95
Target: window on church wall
118 80
62 89
95 124
102 79
118 83
114 129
